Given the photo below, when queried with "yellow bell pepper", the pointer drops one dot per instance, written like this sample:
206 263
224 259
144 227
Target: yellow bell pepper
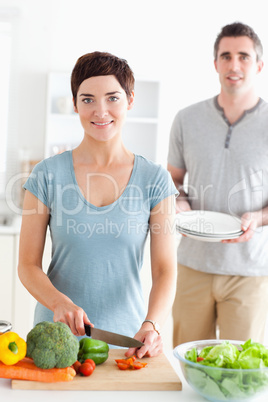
12 348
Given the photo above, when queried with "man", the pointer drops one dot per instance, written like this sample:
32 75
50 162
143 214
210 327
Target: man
222 143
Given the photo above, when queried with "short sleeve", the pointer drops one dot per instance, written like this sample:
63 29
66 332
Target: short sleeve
162 187
175 152
37 183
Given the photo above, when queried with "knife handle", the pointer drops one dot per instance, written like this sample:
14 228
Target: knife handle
88 329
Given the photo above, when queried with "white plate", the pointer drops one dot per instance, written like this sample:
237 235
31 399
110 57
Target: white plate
211 238
186 232
208 222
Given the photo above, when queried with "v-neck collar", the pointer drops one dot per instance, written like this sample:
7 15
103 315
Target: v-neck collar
132 176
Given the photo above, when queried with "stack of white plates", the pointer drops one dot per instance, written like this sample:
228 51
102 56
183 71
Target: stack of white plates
208 225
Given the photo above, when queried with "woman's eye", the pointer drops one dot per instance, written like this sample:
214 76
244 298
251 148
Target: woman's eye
87 100
113 98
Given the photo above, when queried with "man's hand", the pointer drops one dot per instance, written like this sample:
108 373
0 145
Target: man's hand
250 222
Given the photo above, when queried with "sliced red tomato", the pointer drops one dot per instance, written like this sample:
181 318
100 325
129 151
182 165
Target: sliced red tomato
122 366
139 365
129 364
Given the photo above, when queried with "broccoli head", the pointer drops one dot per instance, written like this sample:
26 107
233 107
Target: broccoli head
52 344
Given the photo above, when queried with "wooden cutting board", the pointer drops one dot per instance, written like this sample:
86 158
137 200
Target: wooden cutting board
158 375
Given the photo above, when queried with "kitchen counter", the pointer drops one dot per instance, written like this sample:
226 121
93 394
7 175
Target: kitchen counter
185 395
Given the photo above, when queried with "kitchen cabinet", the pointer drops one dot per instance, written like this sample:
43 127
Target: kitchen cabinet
6 277
64 131
23 302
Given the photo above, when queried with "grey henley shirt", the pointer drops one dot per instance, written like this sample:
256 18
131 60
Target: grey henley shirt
227 169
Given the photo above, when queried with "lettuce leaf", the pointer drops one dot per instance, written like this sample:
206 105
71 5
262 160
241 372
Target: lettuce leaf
191 355
222 354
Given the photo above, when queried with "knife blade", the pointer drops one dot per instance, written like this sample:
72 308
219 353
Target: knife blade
112 338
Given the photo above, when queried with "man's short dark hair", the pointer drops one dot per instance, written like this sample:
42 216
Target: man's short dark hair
238 29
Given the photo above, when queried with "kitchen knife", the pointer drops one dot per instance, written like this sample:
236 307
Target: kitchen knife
112 338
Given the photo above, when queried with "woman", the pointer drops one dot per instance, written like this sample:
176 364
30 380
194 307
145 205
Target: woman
99 202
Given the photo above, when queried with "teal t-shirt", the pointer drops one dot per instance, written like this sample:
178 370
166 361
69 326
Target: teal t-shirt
97 252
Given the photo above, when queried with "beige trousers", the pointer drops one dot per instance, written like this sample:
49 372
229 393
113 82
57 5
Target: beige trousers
236 305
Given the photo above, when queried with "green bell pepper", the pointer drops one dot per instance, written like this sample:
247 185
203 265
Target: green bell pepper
93 349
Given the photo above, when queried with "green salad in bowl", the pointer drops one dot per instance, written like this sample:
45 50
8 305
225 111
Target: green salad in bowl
225 370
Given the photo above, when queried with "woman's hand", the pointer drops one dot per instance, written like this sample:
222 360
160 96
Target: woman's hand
153 344
72 315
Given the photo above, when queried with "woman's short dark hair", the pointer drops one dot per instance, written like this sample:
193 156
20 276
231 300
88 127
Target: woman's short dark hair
238 29
101 63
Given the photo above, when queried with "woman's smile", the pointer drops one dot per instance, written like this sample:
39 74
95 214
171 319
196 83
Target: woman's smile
102 124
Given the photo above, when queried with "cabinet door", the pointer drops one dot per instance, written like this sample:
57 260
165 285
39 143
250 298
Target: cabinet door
6 275
24 302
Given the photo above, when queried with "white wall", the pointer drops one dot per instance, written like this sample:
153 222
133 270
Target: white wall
169 39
